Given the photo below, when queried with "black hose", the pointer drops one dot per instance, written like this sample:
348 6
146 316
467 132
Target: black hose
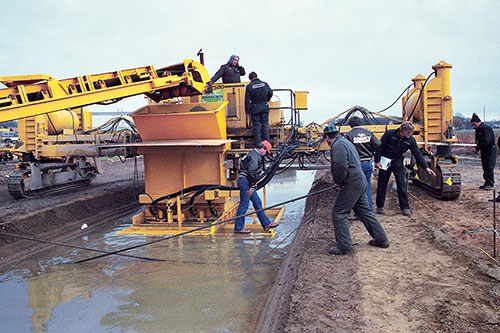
420 95
72 246
209 225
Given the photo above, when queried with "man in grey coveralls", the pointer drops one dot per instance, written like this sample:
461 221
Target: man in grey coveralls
347 173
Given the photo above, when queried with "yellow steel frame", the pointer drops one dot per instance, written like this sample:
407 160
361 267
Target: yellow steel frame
53 95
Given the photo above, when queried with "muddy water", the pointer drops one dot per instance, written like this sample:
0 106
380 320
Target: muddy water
211 284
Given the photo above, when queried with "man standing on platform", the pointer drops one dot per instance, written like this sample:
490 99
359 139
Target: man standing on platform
250 170
257 94
230 72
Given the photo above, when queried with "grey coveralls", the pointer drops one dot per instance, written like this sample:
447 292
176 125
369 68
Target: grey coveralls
347 173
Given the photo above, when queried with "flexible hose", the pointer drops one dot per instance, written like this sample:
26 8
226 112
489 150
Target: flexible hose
334 187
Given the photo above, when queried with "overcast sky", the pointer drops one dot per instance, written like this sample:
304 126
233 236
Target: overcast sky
344 53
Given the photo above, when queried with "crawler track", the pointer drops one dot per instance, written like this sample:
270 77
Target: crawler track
450 184
16 188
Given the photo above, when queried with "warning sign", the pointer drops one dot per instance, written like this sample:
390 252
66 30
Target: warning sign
448 181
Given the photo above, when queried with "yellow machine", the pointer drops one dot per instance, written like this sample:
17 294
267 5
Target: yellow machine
188 179
192 145
191 152
428 105
54 138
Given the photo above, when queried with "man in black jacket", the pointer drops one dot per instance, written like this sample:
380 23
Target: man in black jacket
485 143
394 144
257 94
366 143
230 72
250 171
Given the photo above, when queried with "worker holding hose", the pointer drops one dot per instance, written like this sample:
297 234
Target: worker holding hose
250 171
347 173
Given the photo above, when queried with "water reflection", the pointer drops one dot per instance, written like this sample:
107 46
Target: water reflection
215 284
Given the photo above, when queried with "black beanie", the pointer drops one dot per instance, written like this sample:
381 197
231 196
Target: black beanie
475 118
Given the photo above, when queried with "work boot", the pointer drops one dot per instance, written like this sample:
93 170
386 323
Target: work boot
338 252
406 212
270 226
242 231
378 243
380 210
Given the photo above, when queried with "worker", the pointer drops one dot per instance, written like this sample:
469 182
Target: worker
366 143
230 72
347 173
250 170
485 144
497 199
257 94
394 143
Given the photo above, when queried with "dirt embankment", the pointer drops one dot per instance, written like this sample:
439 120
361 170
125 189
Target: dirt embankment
59 216
431 278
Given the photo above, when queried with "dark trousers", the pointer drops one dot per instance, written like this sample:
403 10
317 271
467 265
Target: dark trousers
488 160
383 180
260 125
352 196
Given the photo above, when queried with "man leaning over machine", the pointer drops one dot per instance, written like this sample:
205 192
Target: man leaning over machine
250 170
394 143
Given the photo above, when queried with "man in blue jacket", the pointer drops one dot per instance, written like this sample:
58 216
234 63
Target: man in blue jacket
257 94
230 72
394 143
347 173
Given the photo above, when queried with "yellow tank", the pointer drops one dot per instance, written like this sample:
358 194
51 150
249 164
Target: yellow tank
409 105
411 99
61 120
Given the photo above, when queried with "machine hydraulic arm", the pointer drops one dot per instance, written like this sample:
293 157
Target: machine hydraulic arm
55 135
32 95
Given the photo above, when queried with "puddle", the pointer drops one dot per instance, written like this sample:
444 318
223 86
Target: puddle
210 284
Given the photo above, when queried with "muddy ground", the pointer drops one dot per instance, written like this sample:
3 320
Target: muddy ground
59 216
432 278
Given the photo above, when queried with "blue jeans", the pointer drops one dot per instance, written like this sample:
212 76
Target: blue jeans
367 168
239 223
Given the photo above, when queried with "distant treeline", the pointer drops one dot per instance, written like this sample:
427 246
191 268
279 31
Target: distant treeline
461 122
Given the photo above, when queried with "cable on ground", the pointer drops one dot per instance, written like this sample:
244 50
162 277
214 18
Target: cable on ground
207 226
